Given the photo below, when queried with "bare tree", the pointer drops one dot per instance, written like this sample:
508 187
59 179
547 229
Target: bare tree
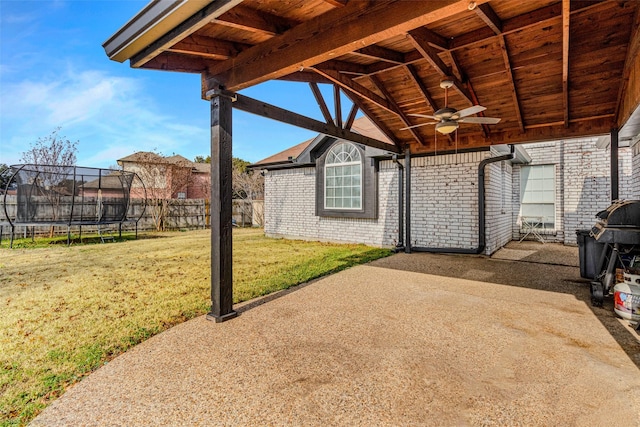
248 186
164 179
54 157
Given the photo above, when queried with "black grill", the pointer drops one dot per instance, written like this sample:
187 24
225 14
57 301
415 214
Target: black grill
617 228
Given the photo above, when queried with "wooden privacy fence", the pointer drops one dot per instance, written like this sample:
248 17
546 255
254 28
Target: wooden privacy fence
185 214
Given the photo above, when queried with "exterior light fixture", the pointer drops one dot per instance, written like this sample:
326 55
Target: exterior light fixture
446 126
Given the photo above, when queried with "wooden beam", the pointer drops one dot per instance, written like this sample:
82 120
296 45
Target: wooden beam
577 129
413 73
520 22
374 119
362 22
431 55
380 85
208 47
351 117
246 18
566 15
489 16
352 86
512 82
250 105
171 61
337 3
221 198
321 102
337 103
381 53
188 27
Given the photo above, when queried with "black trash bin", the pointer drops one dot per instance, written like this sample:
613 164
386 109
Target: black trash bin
590 251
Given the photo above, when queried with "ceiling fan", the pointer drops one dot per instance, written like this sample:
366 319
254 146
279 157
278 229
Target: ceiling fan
446 119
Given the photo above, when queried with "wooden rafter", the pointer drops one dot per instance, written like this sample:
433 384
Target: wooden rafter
369 23
208 47
188 27
358 102
321 103
489 16
431 55
380 85
263 109
248 19
337 104
356 88
382 54
566 15
493 21
352 116
512 84
413 73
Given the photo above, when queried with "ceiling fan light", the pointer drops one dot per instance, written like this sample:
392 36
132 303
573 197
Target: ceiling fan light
446 126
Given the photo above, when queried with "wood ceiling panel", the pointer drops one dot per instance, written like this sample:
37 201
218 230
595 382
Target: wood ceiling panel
507 9
237 35
484 60
299 10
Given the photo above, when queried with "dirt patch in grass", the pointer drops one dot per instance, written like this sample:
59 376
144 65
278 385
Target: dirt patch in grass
68 310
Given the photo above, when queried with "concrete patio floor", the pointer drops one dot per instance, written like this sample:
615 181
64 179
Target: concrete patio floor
408 340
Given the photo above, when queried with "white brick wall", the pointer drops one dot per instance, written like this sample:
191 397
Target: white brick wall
290 209
498 204
635 166
583 184
444 200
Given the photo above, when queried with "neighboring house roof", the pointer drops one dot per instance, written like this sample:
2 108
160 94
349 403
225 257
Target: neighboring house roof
362 126
202 167
176 159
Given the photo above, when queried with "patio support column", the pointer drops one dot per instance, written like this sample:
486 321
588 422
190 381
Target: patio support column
221 238
407 204
615 178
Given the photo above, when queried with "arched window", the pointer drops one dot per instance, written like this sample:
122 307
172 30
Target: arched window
343 178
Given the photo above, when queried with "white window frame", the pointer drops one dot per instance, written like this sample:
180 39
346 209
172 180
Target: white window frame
538 188
337 159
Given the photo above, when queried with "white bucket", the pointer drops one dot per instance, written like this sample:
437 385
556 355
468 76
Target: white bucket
626 300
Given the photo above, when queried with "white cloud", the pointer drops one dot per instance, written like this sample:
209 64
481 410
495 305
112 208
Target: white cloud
111 116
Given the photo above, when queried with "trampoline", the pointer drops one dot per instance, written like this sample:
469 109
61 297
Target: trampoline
68 196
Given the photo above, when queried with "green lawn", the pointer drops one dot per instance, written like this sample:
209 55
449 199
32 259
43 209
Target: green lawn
68 310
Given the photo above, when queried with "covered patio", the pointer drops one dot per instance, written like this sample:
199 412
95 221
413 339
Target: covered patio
425 72
421 339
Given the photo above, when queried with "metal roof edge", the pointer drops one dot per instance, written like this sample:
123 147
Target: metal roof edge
156 19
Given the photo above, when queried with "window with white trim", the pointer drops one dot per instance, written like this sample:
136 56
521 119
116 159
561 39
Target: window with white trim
343 178
538 195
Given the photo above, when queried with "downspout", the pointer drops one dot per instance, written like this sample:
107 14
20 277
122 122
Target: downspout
400 245
482 237
407 163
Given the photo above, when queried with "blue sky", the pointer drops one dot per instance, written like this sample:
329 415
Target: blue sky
54 73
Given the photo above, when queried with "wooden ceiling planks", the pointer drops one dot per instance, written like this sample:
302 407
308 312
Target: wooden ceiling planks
513 54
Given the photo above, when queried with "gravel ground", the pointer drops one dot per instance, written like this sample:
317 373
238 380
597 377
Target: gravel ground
409 340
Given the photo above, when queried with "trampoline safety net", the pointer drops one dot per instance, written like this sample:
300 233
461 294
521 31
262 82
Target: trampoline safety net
67 195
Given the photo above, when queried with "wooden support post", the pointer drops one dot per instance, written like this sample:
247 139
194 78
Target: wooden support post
221 238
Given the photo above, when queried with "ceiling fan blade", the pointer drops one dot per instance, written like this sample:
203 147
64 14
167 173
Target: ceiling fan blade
481 120
424 116
469 111
417 126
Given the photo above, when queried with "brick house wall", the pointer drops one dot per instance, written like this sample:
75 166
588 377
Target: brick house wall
583 184
635 172
444 198
290 209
